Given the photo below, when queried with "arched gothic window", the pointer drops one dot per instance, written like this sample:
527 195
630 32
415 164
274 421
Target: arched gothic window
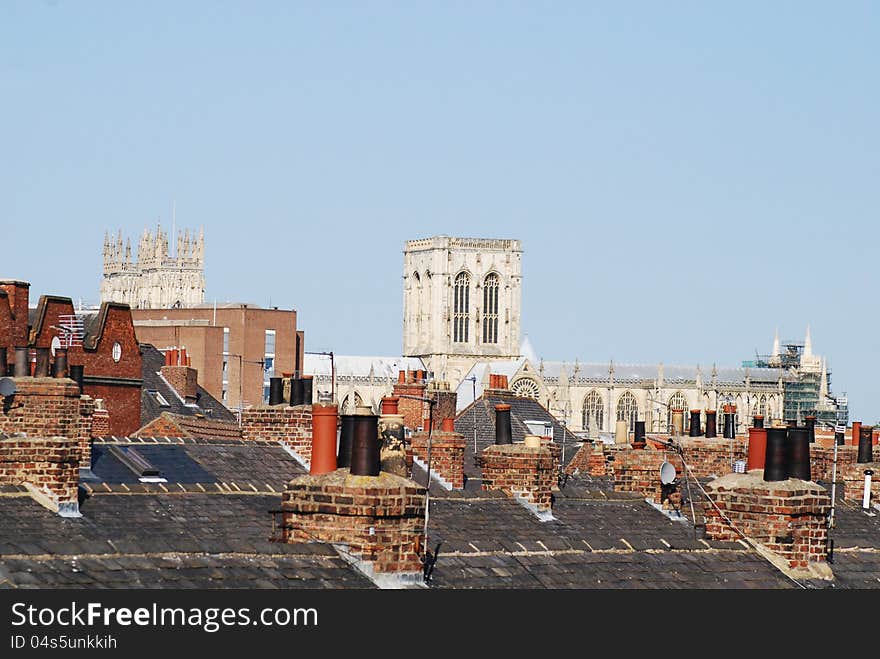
628 409
677 401
594 410
461 308
348 404
490 308
525 387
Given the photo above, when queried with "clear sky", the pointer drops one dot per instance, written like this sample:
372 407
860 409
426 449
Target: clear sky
684 176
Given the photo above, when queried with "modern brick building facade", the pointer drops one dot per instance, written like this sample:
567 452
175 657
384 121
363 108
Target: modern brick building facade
234 347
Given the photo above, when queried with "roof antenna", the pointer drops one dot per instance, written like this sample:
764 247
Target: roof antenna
428 559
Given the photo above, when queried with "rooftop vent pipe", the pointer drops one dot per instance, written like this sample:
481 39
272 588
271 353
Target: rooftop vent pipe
365 458
711 424
856 427
76 374
296 392
758 421
677 422
276 391
22 362
390 405
447 425
41 370
639 435
502 424
729 422
757 448
346 438
695 423
307 382
775 462
866 450
323 439
621 432
797 451
810 423
59 368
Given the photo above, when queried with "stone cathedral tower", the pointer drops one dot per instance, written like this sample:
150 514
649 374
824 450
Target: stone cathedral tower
156 280
461 302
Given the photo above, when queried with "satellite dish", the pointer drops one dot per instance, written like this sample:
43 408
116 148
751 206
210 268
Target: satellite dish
7 386
667 473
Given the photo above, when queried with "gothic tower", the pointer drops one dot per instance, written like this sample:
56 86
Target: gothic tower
157 279
461 302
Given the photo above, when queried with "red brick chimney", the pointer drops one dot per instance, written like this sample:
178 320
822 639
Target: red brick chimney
413 411
787 518
18 292
447 454
379 518
184 380
527 474
44 453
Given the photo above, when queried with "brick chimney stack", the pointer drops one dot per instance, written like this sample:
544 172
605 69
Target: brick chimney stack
18 293
182 378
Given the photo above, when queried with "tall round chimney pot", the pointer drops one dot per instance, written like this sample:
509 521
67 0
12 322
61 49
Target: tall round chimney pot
323 438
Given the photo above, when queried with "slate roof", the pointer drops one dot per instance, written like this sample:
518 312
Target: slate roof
151 409
208 526
522 409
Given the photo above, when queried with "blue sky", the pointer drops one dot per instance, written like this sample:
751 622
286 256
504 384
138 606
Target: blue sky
684 176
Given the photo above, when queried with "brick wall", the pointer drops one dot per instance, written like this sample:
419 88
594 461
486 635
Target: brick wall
291 425
519 471
414 411
639 472
118 383
51 464
17 295
822 461
6 328
447 454
123 405
184 380
787 517
853 477
711 458
379 518
100 424
43 407
161 426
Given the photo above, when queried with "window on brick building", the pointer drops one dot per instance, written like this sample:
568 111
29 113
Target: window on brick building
490 308
461 308
268 362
